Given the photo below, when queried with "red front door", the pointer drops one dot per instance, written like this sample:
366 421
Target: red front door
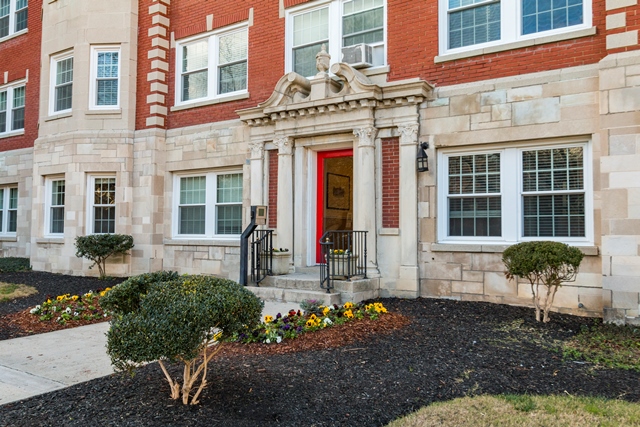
335 193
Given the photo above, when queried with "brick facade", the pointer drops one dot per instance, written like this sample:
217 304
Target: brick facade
390 152
273 188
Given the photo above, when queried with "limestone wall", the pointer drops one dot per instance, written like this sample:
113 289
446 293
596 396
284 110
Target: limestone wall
620 177
15 169
548 107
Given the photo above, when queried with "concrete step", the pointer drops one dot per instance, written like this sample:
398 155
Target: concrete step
294 295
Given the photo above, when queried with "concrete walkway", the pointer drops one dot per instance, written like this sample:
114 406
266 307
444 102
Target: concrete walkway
45 362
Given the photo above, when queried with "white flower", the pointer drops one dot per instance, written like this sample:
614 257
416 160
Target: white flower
268 341
327 321
279 340
34 310
75 313
68 310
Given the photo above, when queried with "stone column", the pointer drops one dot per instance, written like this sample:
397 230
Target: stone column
364 191
285 191
408 274
257 172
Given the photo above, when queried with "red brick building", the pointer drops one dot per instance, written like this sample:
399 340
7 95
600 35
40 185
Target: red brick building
182 115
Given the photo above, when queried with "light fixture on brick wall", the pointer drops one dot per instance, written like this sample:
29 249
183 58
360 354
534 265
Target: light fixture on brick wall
422 160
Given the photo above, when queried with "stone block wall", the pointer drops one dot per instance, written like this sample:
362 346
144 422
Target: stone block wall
551 106
620 177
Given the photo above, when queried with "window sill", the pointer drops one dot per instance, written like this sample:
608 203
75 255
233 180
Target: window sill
104 114
14 35
202 242
8 238
58 116
494 248
516 45
210 102
12 133
50 240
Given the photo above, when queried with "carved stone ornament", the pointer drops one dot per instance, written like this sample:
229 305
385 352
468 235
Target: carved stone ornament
366 136
257 149
323 60
284 144
408 134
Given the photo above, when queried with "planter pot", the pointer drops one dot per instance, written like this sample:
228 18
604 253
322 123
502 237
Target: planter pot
280 263
342 265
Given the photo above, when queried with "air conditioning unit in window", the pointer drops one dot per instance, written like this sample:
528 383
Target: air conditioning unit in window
358 56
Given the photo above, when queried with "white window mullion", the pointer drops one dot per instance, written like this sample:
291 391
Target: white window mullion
211 214
214 46
335 31
509 168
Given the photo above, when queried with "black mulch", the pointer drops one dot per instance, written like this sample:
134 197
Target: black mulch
451 349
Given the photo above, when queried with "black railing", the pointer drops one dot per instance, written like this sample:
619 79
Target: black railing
343 256
261 255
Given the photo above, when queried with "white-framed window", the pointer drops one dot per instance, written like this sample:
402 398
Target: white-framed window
12 103
54 206
101 204
208 205
13 16
8 210
336 24
212 66
61 82
472 24
518 193
105 78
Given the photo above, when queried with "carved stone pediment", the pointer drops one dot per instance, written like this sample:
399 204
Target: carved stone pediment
347 89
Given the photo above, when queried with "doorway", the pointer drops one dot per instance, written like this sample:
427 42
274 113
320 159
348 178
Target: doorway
335 193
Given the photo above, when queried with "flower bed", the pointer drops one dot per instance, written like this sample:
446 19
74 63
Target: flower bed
294 323
67 307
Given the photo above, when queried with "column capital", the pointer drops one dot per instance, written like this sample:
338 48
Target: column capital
257 150
408 133
284 144
366 136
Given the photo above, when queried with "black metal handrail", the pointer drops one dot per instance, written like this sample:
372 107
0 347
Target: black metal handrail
343 256
261 255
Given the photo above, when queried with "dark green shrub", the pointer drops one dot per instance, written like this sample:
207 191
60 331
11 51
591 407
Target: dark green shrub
542 262
125 297
99 247
10 264
178 321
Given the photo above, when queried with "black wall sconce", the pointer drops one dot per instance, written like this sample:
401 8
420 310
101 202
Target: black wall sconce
422 160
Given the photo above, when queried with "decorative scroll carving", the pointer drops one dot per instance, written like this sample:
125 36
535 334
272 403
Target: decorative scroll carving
408 134
366 136
284 144
257 150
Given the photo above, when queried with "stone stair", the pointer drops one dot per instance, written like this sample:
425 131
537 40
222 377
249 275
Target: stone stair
304 284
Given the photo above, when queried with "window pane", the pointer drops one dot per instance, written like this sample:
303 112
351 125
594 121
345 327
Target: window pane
476 216
363 27
191 220
194 85
474 174
107 92
64 71
57 220
104 219
543 15
21 16
3 111
57 193
193 190
107 65
311 27
105 191
304 59
195 56
233 78
63 97
4 17
233 47
476 25
230 188
229 219
13 198
554 216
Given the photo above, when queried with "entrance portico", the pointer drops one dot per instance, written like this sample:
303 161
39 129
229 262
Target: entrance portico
305 118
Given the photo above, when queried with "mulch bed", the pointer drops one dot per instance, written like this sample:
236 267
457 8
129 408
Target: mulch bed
364 373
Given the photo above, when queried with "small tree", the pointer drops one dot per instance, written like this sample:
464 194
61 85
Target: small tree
178 321
99 247
542 262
